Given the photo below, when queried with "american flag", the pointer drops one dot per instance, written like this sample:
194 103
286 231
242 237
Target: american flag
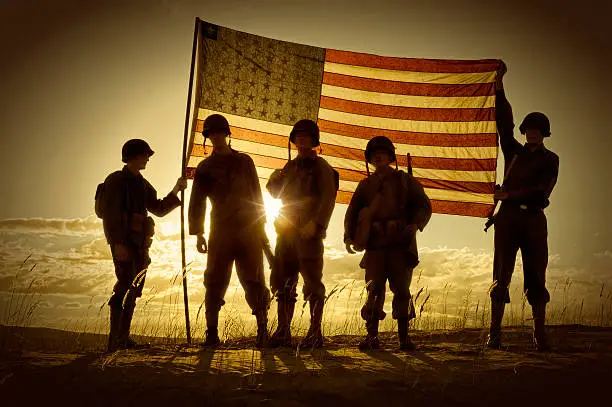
442 112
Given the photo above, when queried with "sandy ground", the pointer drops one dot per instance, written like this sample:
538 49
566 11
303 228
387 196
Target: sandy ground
450 368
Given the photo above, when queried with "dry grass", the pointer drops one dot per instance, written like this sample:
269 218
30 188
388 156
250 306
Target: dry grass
162 316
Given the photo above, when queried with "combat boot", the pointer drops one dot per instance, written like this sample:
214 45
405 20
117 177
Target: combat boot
371 340
115 320
314 336
123 336
262 329
540 339
212 333
282 336
497 314
404 339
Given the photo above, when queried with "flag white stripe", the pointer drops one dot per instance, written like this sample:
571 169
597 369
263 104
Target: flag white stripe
391 99
409 76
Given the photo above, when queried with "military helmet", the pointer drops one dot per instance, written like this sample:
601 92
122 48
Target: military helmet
379 142
308 126
133 148
215 122
536 120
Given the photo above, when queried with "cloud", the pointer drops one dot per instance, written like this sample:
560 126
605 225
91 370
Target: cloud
69 264
88 225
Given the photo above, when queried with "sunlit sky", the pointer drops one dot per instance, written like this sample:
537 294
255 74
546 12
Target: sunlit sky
79 78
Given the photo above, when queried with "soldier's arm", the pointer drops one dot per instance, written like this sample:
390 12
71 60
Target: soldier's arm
419 207
276 181
327 196
257 195
115 191
352 213
160 207
540 191
197 202
505 122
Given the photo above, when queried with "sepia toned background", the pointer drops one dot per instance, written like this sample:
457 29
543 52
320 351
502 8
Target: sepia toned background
80 78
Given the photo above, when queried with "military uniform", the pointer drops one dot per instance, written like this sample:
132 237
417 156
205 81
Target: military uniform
129 198
237 233
391 251
307 188
520 222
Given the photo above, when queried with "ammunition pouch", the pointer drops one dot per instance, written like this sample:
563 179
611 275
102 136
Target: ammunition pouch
142 225
393 232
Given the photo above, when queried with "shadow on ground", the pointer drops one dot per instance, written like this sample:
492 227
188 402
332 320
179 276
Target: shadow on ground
449 368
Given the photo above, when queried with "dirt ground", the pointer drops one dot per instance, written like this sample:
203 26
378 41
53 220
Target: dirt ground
450 368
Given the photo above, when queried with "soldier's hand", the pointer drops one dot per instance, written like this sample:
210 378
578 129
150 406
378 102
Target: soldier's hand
349 247
500 195
181 184
276 176
309 230
501 71
201 244
122 253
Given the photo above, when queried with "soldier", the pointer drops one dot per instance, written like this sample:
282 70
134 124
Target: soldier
383 216
307 187
237 233
127 197
531 174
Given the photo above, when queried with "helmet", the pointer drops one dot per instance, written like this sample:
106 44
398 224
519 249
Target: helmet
215 122
379 142
308 126
133 148
536 120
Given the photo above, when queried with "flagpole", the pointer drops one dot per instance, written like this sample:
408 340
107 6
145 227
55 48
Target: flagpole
183 168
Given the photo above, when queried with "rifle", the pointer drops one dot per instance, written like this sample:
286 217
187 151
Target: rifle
491 216
267 249
409 163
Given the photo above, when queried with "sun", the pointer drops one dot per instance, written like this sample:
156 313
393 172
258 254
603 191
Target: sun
272 206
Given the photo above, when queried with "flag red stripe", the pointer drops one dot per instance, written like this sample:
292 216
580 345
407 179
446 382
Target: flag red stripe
356 176
404 88
410 64
457 164
461 208
444 207
407 137
408 113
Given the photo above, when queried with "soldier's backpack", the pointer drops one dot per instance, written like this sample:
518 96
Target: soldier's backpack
100 199
336 179
100 203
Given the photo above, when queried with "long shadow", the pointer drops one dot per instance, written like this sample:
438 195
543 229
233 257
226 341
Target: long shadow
267 358
291 360
205 359
388 357
32 385
331 364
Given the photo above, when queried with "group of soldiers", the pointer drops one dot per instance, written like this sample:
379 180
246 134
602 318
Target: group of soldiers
387 209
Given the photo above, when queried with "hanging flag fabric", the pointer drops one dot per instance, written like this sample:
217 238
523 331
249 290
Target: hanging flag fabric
442 112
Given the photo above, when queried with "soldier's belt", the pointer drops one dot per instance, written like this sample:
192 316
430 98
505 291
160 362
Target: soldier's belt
524 207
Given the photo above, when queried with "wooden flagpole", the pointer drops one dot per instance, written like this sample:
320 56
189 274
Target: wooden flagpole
196 32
